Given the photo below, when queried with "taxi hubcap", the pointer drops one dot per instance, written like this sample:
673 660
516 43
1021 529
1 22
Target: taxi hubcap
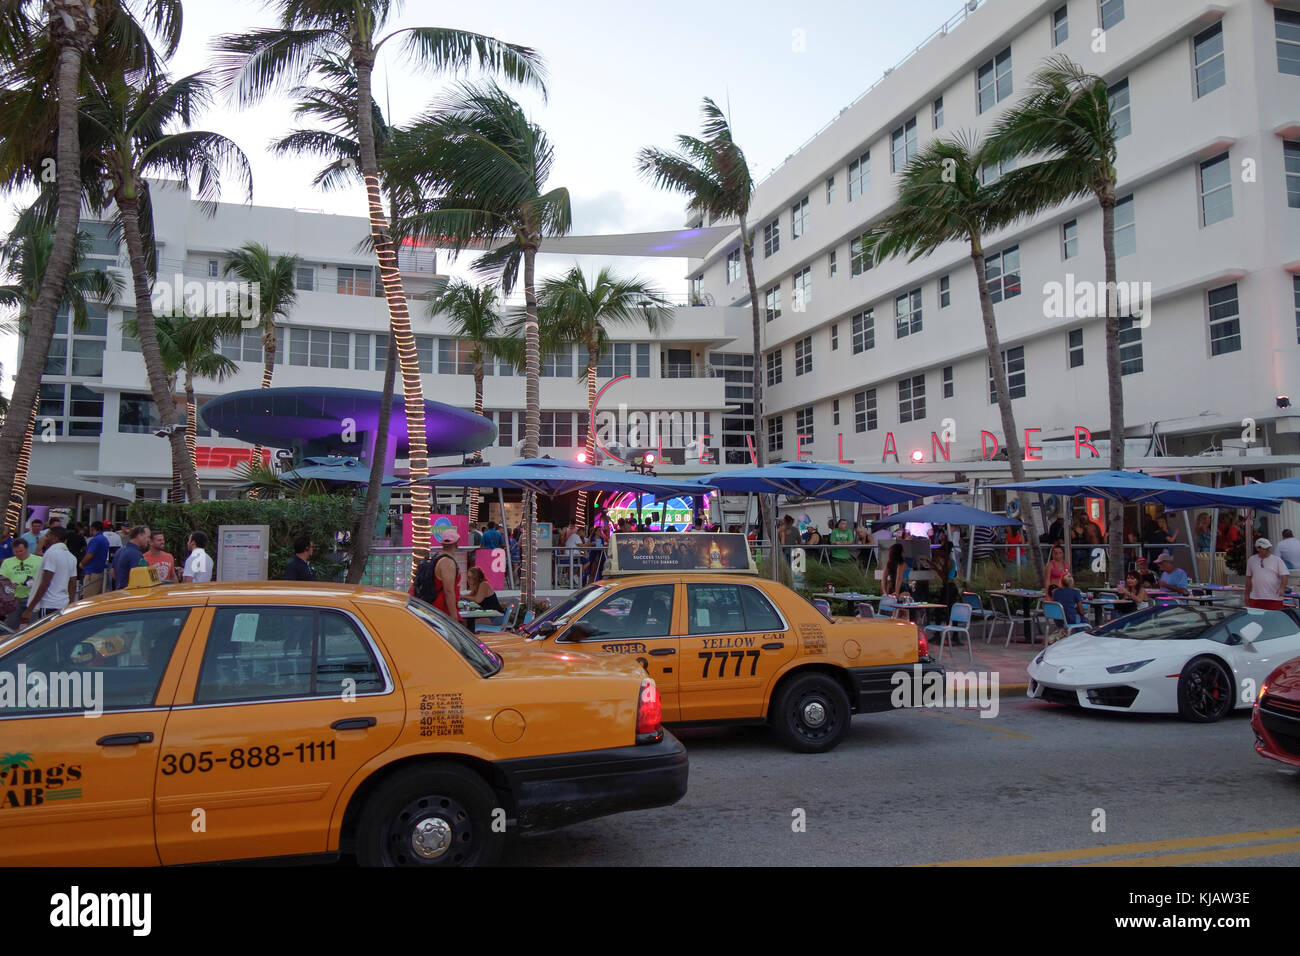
430 838
814 714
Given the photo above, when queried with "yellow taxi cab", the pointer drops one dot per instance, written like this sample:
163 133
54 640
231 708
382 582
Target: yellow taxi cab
217 722
724 645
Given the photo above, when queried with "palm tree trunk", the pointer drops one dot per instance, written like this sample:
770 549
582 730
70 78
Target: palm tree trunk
40 330
1012 439
14 516
532 419
268 370
766 503
191 442
129 208
593 357
478 455
1115 383
365 531
399 316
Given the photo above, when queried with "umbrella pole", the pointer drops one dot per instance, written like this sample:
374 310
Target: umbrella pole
1191 545
505 529
1067 509
970 551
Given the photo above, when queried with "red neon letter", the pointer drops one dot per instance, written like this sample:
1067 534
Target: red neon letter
799 455
753 458
843 460
1032 448
891 448
937 449
1083 442
984 445
704 449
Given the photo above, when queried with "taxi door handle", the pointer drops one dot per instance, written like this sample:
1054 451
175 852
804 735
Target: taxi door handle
661 651
353 723
774 646
124 740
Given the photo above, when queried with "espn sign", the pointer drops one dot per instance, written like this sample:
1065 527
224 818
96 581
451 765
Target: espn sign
220 456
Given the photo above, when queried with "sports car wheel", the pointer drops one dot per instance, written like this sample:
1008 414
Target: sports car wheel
1205 691
811 713
430 816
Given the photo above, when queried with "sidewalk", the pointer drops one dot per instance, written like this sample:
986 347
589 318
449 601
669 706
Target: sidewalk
1010 663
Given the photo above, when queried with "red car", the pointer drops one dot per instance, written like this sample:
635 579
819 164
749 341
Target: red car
1276 715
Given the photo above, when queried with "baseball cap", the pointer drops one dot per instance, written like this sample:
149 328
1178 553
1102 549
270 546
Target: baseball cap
1164 556
1263 543
451 536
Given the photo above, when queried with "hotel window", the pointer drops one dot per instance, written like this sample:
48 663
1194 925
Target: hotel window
993 81
1130 346
864 411
1216 190
214 268
1295 292
558 364
1003 274
936 112
1120 113
902 145
799 218
835 412
835 337
945 292
1070 239
830 189
456 357
616 362
556 430
103 244
1112 12
775 433
137 414
774 367
361 350
1207 53
1286 27
310 348
1074 347
859 175
771 237
864 330
911 398
1126 236
505 429
859 254
1291 154
802 290
247 347
1013 363
803 355
355 280
990 173
304 279
697 290
949 382
772 303
832 264
1060 25
382 344
733 265
907 313
643 360
1225 320
424 348
803 424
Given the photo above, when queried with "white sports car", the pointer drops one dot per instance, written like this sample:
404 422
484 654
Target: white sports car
1198 662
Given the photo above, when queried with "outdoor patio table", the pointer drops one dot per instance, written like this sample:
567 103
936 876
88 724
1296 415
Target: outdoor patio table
1099 605
917 607
1025 595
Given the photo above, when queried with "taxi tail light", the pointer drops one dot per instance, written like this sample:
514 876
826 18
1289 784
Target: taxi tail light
922 646
649 713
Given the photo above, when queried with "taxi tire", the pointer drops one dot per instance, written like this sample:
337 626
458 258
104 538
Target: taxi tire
791 703
459 797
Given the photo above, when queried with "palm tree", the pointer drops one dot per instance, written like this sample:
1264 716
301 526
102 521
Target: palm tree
43 64
25 257
1064 117
473 315
486 165
275 280
941 199
257 62
581 313
713 172
130 122
190 345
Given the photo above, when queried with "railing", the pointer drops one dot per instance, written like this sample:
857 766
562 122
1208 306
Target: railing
693 370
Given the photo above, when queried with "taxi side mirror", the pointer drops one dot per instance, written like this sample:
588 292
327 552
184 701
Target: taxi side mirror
584 630
547 629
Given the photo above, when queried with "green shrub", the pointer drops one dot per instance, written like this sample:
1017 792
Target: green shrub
323 518
845 575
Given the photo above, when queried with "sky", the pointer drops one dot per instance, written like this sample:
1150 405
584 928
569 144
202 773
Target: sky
621 76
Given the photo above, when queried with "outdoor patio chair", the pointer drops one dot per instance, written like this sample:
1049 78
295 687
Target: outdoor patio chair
889 607
979 612
507 620
1054 615
823 606
865 609
958 623
1001 608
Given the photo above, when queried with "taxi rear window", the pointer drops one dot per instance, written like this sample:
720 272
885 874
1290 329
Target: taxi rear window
479 655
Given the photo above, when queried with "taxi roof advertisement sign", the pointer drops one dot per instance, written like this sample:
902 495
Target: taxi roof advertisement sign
680 551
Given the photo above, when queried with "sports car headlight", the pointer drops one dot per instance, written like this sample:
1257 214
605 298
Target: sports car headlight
1039 658
1128 668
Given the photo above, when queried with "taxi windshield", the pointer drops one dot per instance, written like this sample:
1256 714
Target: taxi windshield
570 606
478 654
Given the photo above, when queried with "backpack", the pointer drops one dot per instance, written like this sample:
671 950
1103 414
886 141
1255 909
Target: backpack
426 582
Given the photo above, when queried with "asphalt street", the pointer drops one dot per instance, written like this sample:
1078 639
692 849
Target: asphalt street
1031 786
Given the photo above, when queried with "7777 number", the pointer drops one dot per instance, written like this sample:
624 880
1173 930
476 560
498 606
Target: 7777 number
738 656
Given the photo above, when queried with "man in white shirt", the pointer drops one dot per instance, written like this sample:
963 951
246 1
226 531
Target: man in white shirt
114 539
1288 549
57 579
1265 577
198 566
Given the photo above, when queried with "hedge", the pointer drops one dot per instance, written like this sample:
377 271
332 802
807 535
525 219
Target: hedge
323 518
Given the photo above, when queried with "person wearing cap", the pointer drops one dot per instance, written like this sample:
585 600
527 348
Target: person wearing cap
1265 577
1145 574
1171 578
446 576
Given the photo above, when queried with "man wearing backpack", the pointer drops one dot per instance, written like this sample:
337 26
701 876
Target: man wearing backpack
437 580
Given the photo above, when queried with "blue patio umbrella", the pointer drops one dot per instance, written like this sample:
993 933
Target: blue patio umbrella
808 480
333 470
1284 488
547 476
1137 486
947 512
